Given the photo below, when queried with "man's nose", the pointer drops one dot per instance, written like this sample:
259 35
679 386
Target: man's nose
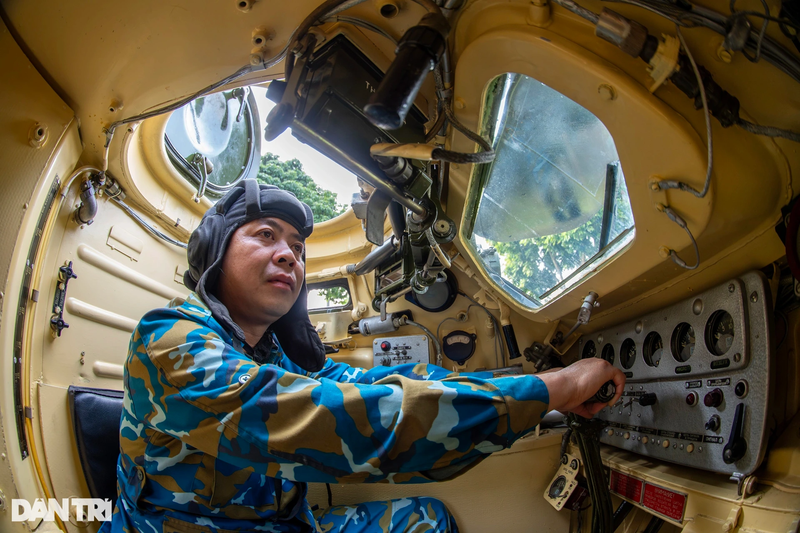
284 254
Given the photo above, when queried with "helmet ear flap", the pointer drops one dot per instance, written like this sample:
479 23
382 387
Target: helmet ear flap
203 249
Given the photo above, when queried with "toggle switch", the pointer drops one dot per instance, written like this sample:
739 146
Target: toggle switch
713 423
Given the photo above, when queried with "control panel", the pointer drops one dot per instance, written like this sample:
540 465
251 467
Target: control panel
698 378
393 351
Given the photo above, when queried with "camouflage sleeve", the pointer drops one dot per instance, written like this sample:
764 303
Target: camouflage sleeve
186 382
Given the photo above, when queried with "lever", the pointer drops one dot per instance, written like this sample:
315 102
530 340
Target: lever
606 393
737 445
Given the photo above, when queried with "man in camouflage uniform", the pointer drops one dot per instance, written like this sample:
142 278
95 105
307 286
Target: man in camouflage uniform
231 406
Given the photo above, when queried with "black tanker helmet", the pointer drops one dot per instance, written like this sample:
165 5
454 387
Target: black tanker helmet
247 201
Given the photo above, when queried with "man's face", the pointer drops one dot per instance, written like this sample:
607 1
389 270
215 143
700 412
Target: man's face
262 271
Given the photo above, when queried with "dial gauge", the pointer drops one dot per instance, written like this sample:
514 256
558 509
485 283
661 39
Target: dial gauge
652 349
589 350
627 354
608 353
557 487
683 341
719 332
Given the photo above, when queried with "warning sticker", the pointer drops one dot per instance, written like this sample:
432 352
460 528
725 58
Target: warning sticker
665 502
626 486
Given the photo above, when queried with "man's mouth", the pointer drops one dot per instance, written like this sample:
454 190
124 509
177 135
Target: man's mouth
283 281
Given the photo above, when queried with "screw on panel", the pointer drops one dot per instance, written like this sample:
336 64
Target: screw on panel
244 5
754 297
737 357
731 287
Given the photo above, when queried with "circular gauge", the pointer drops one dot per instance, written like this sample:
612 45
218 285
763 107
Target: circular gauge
608 353
627 354
719 332
683 342
652 349
459 346
557 487
589 350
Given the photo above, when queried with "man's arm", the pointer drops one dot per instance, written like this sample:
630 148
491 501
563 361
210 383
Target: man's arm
186 382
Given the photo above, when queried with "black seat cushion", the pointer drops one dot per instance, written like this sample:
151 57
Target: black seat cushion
95 417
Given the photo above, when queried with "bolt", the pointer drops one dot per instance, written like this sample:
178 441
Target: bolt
460 103
256 59
654 185
724 55
663 251
737 357
731 288
754 297
607 92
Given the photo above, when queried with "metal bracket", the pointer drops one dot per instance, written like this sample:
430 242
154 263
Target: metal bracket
57 323
376 212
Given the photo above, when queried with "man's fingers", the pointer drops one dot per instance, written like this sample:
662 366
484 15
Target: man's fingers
619 382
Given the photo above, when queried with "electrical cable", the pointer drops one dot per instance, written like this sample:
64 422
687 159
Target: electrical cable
674 184
361 24
497 328
474 137
672 253
768 131
156 233
586 432
436 344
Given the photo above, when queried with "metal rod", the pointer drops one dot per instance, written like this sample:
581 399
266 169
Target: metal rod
356 167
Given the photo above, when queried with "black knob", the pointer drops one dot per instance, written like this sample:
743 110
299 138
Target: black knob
606 393
737 445
647 399
386 346
713 423
713 398
386 361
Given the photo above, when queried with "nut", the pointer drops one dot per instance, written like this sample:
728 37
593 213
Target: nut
244 5
38 134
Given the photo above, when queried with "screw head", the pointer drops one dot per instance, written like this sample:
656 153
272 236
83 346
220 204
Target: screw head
460 103
754 297
731 287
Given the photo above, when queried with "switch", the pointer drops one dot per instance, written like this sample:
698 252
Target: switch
692 399
647 399
713 398
644 440
386 346
690 448
610 432
737 445
627 435
665 444
713 423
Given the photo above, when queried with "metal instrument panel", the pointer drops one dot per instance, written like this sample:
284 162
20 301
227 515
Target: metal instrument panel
683 376
393 351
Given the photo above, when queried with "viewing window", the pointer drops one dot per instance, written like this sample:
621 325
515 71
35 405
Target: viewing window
553 205
219 132
329 296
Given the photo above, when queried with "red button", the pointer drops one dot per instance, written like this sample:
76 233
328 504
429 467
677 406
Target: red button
386 346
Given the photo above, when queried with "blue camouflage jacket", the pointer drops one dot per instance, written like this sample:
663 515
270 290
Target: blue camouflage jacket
212 441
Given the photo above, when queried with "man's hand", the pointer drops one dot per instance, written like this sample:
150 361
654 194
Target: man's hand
570 388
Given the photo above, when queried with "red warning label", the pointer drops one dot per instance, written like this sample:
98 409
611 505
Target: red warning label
665 502
626 486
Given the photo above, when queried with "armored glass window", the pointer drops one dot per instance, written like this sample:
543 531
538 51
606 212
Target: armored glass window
214 140
329 296
553 205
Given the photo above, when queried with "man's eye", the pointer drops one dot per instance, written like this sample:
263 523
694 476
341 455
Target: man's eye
298 248
267 234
